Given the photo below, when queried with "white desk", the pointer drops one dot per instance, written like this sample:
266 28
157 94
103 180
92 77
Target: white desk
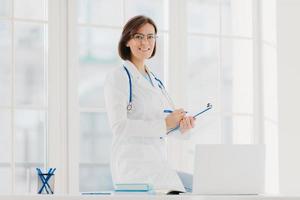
144 197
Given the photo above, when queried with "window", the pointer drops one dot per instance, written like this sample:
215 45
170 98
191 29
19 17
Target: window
220 70
23 91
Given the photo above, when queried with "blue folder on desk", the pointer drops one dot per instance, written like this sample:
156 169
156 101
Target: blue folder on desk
132 187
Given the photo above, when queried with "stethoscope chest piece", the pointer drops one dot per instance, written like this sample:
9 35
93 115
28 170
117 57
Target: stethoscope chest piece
129 107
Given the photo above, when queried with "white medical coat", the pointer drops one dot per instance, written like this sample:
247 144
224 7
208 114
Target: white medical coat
138 150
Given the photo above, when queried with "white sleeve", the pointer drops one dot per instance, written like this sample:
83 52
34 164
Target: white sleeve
116 100
178 135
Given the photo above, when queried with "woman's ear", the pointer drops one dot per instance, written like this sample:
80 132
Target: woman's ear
127 43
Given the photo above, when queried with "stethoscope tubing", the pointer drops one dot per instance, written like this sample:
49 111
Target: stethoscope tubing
130 84
160 85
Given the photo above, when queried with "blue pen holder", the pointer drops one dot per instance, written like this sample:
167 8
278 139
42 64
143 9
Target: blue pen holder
46 181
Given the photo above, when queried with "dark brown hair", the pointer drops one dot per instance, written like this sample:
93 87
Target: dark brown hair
129 30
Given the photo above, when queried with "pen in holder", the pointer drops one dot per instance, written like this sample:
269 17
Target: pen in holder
46 181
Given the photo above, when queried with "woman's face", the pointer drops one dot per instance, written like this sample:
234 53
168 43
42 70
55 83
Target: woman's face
142 43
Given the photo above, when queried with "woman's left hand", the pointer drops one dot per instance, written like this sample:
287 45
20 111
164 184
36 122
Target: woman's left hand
186 124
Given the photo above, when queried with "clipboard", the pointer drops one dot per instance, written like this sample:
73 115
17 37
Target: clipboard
208 107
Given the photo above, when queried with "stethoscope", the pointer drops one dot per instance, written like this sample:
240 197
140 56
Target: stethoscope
160 85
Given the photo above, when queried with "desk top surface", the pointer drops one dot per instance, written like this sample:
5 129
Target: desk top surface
149 197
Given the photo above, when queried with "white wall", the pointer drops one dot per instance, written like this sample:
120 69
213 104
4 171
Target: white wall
269 92
288 41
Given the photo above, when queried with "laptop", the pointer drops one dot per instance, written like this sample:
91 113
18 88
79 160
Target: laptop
229 169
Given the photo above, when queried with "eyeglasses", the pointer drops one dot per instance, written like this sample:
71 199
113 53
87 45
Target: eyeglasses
139 37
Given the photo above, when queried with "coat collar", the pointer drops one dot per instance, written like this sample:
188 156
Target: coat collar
138 78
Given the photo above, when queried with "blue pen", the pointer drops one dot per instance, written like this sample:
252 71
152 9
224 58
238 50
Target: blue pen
50 173
170 111
40 173
96 193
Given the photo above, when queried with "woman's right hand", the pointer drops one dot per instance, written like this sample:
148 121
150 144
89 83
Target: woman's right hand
173 119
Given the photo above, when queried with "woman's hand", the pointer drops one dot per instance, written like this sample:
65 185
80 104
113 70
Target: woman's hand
173 119
186 124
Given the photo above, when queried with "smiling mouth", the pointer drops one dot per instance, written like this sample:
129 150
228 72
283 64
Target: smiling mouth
144 50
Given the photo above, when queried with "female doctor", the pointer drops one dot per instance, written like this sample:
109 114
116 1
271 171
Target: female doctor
135 101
